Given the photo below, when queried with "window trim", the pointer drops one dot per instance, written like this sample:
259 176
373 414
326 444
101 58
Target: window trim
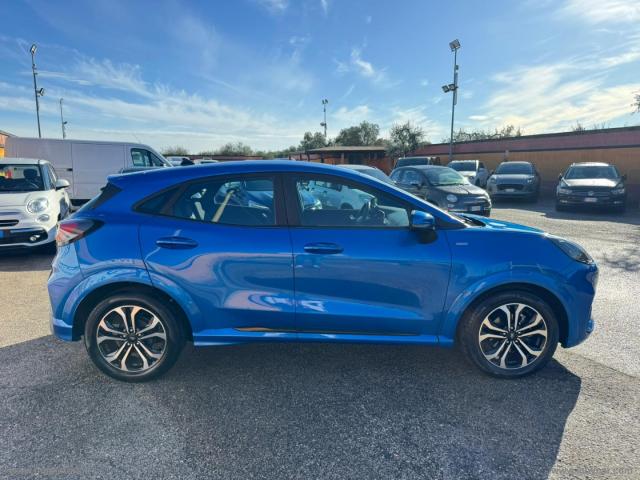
293 205
278 199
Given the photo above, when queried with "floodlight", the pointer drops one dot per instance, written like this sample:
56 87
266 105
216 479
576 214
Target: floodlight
454 45
33 49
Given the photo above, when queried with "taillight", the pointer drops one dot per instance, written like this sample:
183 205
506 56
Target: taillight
74 229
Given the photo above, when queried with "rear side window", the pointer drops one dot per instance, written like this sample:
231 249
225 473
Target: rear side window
106 193
247 201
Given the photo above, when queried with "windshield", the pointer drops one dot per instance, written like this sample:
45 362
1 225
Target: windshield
514 169
20 178
592 171
463 166
444 176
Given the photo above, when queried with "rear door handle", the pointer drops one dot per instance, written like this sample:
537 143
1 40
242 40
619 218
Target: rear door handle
323 248
176 243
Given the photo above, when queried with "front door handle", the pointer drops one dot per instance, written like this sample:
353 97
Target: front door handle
176 243
323 248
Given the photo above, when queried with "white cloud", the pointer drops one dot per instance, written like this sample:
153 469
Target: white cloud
347 117
478 118
365 69
274 6
325 6
602 11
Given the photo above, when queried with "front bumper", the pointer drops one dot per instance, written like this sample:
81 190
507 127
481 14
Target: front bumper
505 191
19 228
586 200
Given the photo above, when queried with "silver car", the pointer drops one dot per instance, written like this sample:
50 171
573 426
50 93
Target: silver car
515 180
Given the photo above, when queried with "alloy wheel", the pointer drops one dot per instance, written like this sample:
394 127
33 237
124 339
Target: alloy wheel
513 336
131 338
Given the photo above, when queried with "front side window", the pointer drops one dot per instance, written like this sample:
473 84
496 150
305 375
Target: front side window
352 205
20 178
412 178
141 157
230 201
396 175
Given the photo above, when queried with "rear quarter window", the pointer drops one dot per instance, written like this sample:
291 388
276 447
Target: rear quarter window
106 193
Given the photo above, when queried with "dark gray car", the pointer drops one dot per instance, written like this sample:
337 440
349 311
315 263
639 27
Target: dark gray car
515 180
444 187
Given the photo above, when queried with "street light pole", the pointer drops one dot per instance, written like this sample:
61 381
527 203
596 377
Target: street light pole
62 122
36 92
453 88
324 124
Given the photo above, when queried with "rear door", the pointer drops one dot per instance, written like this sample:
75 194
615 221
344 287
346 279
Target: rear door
224 241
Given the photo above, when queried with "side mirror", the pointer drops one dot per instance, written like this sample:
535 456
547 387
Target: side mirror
491 172
62 183
624 177
560 176
422 220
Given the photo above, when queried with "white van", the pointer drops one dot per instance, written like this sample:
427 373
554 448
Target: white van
85 163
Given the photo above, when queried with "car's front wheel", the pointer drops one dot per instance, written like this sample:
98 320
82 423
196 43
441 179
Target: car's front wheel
510 335
133 337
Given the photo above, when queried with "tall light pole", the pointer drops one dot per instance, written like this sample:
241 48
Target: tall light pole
37 93
453 87
62 122
324 124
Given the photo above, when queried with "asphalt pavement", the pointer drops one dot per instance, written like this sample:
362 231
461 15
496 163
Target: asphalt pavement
330 411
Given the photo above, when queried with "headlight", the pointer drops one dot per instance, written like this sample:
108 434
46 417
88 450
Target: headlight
491 180
572 249
452 198
564 191
617 191
530 180
37 205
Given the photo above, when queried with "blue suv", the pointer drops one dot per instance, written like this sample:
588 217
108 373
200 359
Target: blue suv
195 254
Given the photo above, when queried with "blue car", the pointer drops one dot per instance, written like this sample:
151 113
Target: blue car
167 256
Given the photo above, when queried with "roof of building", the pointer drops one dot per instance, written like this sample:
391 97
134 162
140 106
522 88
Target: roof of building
6 134
339 148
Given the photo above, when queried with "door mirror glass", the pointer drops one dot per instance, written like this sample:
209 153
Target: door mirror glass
62 183
422 220
624 177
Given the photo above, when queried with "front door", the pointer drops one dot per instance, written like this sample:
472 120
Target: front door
363 271
223 241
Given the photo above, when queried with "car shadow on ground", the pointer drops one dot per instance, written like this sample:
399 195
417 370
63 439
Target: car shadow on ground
22 261
547 208
282 411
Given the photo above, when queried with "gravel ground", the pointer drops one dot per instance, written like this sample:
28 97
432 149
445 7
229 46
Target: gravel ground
330 411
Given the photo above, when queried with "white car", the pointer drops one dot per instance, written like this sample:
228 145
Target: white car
473 170
32 201
332 196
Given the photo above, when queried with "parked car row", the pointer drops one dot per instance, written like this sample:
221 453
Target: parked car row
587 184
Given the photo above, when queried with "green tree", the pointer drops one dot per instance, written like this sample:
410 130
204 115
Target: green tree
238 148
364 134
636 102
177 151
404 138
311 141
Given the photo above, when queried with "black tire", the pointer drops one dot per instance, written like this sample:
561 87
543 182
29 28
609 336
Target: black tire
173 343
560 208
472 327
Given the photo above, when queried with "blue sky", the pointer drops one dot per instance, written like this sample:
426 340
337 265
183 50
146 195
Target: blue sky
200 74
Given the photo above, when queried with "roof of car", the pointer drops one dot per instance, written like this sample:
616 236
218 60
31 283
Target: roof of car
463 160
422 167
356 167
517 163
23 161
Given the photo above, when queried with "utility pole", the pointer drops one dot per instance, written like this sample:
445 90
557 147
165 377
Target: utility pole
324 124
62 122
453 87
37 93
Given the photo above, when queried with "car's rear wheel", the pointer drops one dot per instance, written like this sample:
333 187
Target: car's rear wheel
133 337
510 335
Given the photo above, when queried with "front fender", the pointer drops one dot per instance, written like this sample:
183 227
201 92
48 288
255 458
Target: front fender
460 301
